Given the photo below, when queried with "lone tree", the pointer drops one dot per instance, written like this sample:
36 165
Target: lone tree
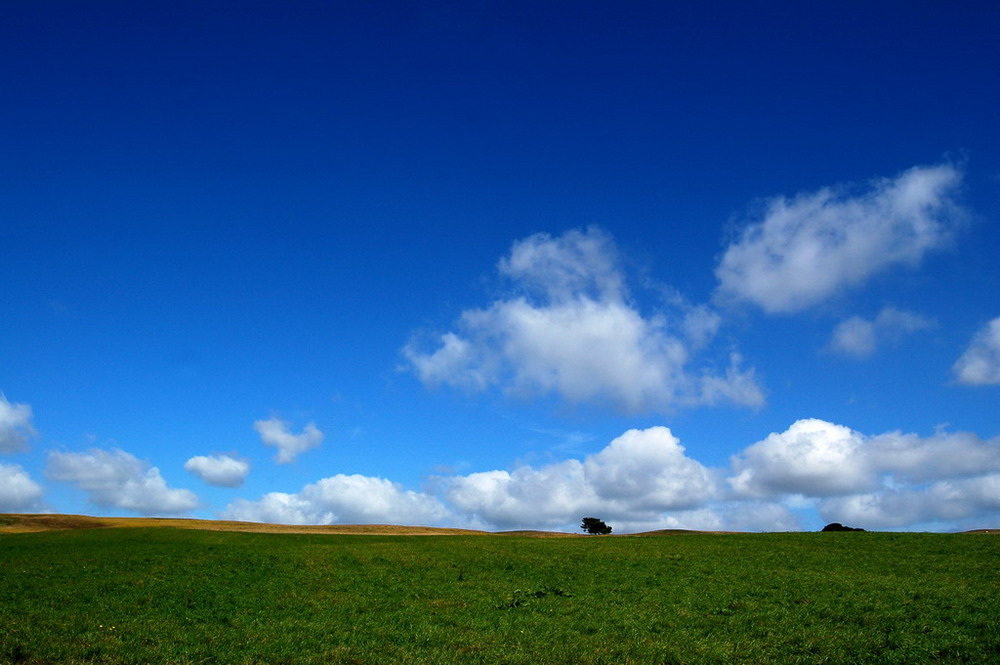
837 526
595 527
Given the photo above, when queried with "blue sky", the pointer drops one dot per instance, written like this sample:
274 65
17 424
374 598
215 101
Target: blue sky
499 265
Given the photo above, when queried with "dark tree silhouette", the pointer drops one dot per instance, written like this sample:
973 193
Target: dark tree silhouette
837 526
595 527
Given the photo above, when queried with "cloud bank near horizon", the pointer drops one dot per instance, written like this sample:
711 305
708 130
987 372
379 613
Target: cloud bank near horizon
644 479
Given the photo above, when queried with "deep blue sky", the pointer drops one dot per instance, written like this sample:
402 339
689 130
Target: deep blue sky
222 223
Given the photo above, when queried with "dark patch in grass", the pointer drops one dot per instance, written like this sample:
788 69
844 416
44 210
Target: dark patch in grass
520 598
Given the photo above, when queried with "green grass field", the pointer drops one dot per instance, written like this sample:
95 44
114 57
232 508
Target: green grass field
167 595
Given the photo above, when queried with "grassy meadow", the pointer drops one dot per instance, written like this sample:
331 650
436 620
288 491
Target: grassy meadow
156 594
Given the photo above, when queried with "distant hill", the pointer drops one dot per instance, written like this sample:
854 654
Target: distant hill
26 523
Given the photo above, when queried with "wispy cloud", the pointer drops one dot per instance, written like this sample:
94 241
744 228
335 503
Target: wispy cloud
117 479
278 433
569 328
980 364
811 247
861 337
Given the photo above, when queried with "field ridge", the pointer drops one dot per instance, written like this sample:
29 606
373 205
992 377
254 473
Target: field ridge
36 522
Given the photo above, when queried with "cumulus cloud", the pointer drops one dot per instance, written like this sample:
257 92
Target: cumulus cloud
946 456
948 501
815 245
571 330
278 433
649 470
980 364
812 457
888 480
760 516
15 426
343 499
218 470
18 492
860 337
117 479
635 479
645 479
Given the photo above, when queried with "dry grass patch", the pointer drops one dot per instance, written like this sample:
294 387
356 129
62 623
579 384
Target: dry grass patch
19 523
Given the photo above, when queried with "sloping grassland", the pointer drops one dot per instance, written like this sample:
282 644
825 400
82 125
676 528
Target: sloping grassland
180 595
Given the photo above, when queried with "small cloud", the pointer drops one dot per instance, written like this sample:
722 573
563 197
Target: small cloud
814 246
18 492
15 426
860 337
117 479
980 364
218 470
276 432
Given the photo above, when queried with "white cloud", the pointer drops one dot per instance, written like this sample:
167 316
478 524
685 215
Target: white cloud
860 337
760 516
645 480
635 480
219 470
812 457
562 268
15 426
913 460
276 432
116 479
812 247
947 501
549 497
18 492
343 499
815 458
649 470
701 519
642 479
573 332
980 364
888 480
